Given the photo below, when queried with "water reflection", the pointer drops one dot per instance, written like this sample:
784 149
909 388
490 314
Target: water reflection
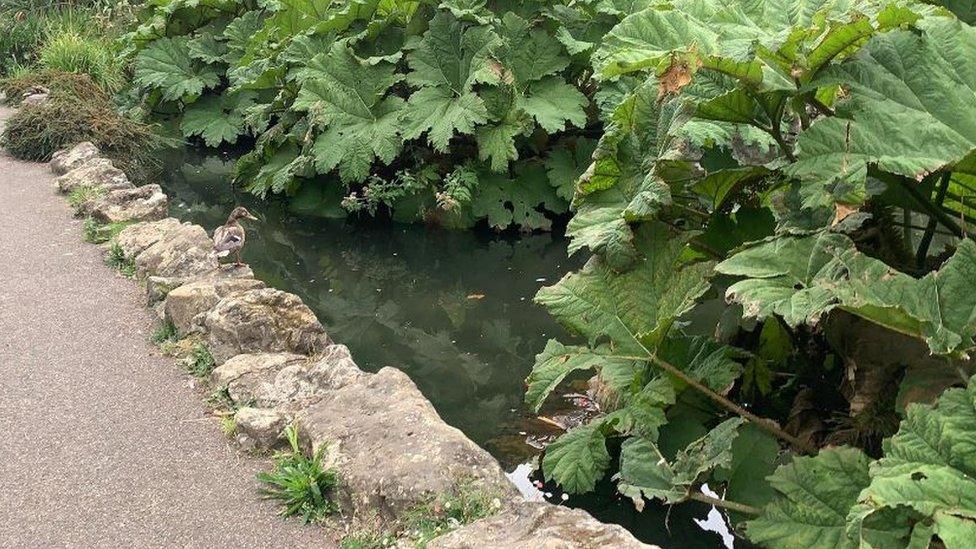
452 309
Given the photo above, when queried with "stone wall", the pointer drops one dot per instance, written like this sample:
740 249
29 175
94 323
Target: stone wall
278 365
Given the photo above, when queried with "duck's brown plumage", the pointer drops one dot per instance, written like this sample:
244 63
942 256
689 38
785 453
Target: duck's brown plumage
229 238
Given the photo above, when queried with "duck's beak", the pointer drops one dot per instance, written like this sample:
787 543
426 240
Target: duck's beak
251 217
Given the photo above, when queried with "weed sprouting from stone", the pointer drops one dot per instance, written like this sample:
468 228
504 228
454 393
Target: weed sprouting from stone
228 426
368 540
200 362
116 259
82 194
165 333
417 526
300 483
96 233
447 512
220 401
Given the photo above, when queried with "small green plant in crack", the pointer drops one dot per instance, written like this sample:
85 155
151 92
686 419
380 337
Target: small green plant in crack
96 233
116 259
200 362
447 512
220 401
228 425
368 540
165 333
82 194
300 483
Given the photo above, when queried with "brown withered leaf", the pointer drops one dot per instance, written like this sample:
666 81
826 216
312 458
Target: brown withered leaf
841 211
677 76
501 72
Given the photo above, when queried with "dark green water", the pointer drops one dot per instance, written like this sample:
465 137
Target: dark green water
452 309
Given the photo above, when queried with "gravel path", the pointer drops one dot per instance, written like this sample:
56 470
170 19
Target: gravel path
102 441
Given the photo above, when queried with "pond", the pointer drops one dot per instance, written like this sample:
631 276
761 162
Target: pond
453 309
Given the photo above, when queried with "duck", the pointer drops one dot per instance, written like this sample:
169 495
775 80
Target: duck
229 237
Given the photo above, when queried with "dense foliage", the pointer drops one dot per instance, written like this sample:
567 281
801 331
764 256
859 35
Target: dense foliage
446 112
777 214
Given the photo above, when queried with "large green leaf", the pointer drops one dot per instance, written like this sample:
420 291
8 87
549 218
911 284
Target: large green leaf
166 65
646 472
616 189
632 308
577 459
907 112
762 43
815 495
346 96
446 65
801 278
922 493
557 361
520 202
925 485
218 119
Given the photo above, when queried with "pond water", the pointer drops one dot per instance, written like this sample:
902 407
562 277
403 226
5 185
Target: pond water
453 309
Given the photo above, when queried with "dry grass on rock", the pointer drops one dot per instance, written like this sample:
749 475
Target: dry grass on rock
77 110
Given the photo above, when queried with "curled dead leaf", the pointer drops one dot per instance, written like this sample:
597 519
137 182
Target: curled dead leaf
675 77
841 211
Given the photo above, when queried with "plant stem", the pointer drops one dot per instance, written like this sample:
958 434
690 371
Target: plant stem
777 130
923 245
765 424
725 504
934 211
821 108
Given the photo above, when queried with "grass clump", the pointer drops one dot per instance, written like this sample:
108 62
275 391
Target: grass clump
81 195
78 110
220 401
117 260
165 333
200 363
72 52
300 483
228 425
97 233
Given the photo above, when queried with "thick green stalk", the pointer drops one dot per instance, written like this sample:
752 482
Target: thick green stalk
725 504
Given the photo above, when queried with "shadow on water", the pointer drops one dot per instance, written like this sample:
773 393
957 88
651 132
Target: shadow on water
451 309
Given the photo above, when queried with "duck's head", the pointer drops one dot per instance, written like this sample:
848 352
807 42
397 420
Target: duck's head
241 212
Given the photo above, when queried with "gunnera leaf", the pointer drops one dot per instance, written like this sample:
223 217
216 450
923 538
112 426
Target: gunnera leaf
814 496
906 110
166 65
347 96
801 278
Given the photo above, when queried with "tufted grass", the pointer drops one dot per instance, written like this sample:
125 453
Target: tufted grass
70 51
116 259
165 333
97 233
200 363
300 483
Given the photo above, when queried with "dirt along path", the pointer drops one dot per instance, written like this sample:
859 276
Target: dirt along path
102 441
